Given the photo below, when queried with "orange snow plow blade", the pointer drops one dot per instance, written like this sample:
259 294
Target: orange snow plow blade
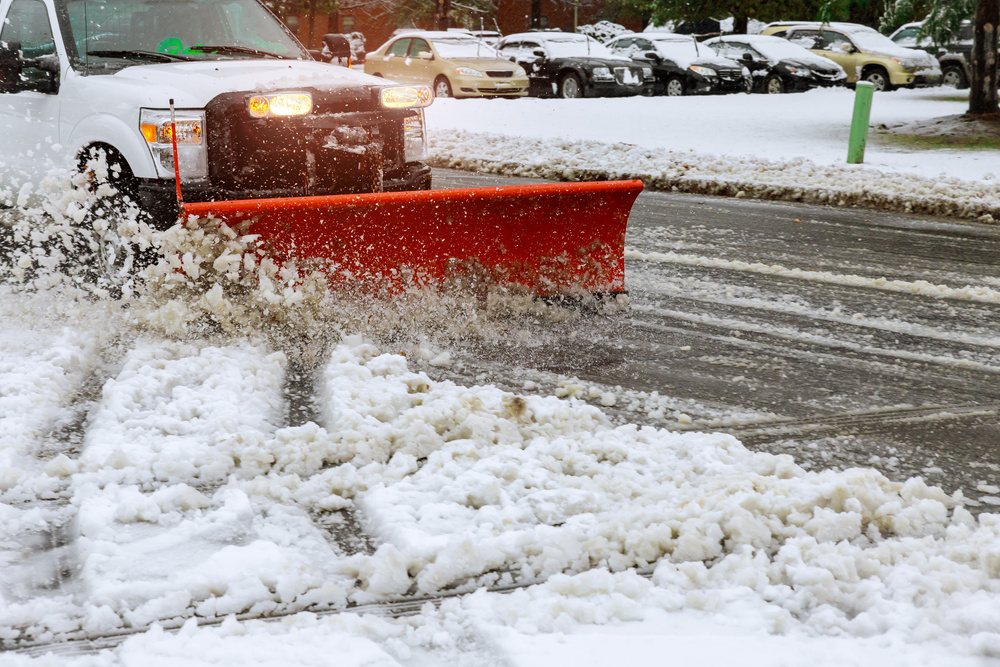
548 239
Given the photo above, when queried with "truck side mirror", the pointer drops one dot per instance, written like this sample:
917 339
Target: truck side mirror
10 67
18 73
653 56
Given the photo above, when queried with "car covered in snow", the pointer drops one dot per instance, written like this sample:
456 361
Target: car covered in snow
455 63
253 114
778 66
680 64
863 52
573 65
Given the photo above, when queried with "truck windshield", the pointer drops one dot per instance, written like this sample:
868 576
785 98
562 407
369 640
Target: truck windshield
114 34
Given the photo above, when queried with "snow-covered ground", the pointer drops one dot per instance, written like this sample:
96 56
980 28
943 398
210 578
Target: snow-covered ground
153 488
768 146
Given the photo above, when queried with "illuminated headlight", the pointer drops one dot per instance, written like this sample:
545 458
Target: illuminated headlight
281 105
520 73
406 97
414 135
601 74
155 126
800 71
704 71
468 71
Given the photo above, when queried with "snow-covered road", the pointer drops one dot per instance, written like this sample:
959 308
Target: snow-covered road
154 477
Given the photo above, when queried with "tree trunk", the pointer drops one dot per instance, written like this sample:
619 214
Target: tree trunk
441 10
536 14
740 23
983 92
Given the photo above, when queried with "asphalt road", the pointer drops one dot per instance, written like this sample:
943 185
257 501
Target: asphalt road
843 337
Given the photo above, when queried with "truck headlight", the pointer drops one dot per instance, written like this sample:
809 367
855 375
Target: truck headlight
281 105
414 137
155 126
406 97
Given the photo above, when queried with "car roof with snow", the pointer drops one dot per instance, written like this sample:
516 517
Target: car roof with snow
832 25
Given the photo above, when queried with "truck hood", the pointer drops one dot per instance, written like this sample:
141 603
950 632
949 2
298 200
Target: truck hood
194 84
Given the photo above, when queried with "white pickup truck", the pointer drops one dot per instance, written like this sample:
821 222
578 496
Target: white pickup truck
255 114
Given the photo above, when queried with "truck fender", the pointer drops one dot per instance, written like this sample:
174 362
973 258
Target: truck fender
110 130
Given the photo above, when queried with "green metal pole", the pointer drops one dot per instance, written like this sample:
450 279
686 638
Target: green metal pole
859 124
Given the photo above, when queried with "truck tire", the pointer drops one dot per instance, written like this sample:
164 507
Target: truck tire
114 259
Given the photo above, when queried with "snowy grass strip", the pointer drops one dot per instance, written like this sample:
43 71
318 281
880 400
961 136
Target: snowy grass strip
787 180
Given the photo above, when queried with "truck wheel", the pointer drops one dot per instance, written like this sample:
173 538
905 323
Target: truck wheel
674 87
954 76
879 78
570 86
441 87
773 85
114 258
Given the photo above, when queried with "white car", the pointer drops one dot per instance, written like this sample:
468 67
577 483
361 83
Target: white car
255 115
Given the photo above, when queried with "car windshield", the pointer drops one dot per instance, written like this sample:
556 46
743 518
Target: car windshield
469 47
873 41
577 46
118 33
779 49
678 49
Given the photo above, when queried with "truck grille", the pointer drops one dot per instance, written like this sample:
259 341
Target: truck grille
345 146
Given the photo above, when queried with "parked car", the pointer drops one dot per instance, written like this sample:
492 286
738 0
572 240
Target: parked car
955 57
680 64
455 63
573 65
863 52
778 66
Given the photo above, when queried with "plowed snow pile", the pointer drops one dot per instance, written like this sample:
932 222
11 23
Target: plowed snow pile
787 147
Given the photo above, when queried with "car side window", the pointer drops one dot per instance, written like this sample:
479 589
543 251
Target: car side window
399 48
28 23
807 39
418 46
835 41
644 45
622 44
907 37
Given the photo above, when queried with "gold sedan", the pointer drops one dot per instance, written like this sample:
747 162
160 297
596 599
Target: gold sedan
455 64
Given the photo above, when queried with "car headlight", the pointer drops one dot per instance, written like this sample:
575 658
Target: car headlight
647 73
406 97
155 126
704 71
601 74
281 105
906 64
415 137
800 71
519 72
467 71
